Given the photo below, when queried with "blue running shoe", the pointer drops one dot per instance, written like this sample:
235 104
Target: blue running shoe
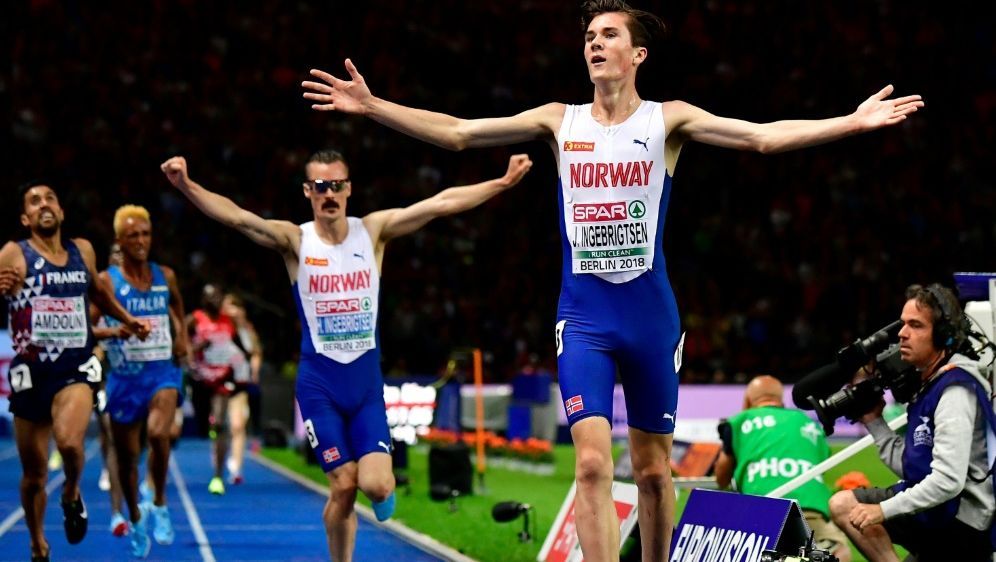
141 544
385 509
162 526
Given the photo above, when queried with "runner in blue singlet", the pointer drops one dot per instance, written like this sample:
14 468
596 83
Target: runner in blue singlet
144 383
616 157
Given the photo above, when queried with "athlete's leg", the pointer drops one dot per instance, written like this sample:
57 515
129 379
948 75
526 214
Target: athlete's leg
587 378
71 409
162 410
594 511
128 446
339 515
651 454
238 417
32 446
219 403
110 461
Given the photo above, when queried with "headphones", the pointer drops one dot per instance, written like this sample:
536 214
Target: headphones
950 329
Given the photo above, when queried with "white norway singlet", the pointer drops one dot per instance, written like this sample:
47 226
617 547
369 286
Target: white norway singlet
336 291
612 180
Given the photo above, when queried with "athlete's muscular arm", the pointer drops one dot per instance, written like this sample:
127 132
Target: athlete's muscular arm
102 292
283 236
688 122
105 332
181 343
391 223
353 96
12 269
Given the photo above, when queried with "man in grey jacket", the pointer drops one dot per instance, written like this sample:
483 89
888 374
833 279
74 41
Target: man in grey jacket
944 503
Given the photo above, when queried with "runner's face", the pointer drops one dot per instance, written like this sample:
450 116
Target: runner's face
42 212
329 204
135 239
608 48
916 337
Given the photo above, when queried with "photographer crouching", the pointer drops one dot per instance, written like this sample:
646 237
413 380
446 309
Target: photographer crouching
944 502
767 445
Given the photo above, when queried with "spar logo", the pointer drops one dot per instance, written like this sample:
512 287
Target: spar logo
600 212
579 146
637 209
316 261
57 305
342 306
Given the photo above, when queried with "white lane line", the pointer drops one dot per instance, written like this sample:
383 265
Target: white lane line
54 483
188 505
10 453
419 540
13 518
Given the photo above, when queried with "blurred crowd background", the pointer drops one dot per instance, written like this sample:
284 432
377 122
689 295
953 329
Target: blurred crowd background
776 261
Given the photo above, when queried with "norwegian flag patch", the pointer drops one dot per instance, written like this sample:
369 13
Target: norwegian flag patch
574 404
331 454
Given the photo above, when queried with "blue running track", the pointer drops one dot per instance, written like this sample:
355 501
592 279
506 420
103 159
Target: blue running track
268 517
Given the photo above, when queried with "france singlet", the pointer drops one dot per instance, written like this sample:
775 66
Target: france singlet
616 310
50 328
340 388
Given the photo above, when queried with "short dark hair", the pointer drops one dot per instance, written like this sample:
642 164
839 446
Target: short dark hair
25 187
945 313
643 26
327 156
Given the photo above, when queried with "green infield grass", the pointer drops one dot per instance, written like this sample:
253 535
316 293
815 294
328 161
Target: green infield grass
471 530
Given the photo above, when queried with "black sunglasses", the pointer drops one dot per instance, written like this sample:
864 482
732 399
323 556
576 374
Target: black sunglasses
321 186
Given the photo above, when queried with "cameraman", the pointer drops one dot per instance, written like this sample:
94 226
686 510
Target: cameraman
944 503
767 445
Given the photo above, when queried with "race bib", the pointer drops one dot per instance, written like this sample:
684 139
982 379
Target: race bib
610 237
157 347
60 322
345 325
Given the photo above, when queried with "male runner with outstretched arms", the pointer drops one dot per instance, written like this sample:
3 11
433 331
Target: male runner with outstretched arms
616 157
334 264
49 285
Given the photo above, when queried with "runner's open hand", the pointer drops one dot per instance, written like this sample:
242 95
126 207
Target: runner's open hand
333 94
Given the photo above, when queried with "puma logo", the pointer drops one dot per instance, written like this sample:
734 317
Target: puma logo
385 445
669 417
642 142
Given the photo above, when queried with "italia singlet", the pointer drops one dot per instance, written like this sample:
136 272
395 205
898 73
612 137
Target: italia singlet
50 328
132 356
339 384
139 369
616 310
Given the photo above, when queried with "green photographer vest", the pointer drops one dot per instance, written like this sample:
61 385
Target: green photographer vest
772 446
